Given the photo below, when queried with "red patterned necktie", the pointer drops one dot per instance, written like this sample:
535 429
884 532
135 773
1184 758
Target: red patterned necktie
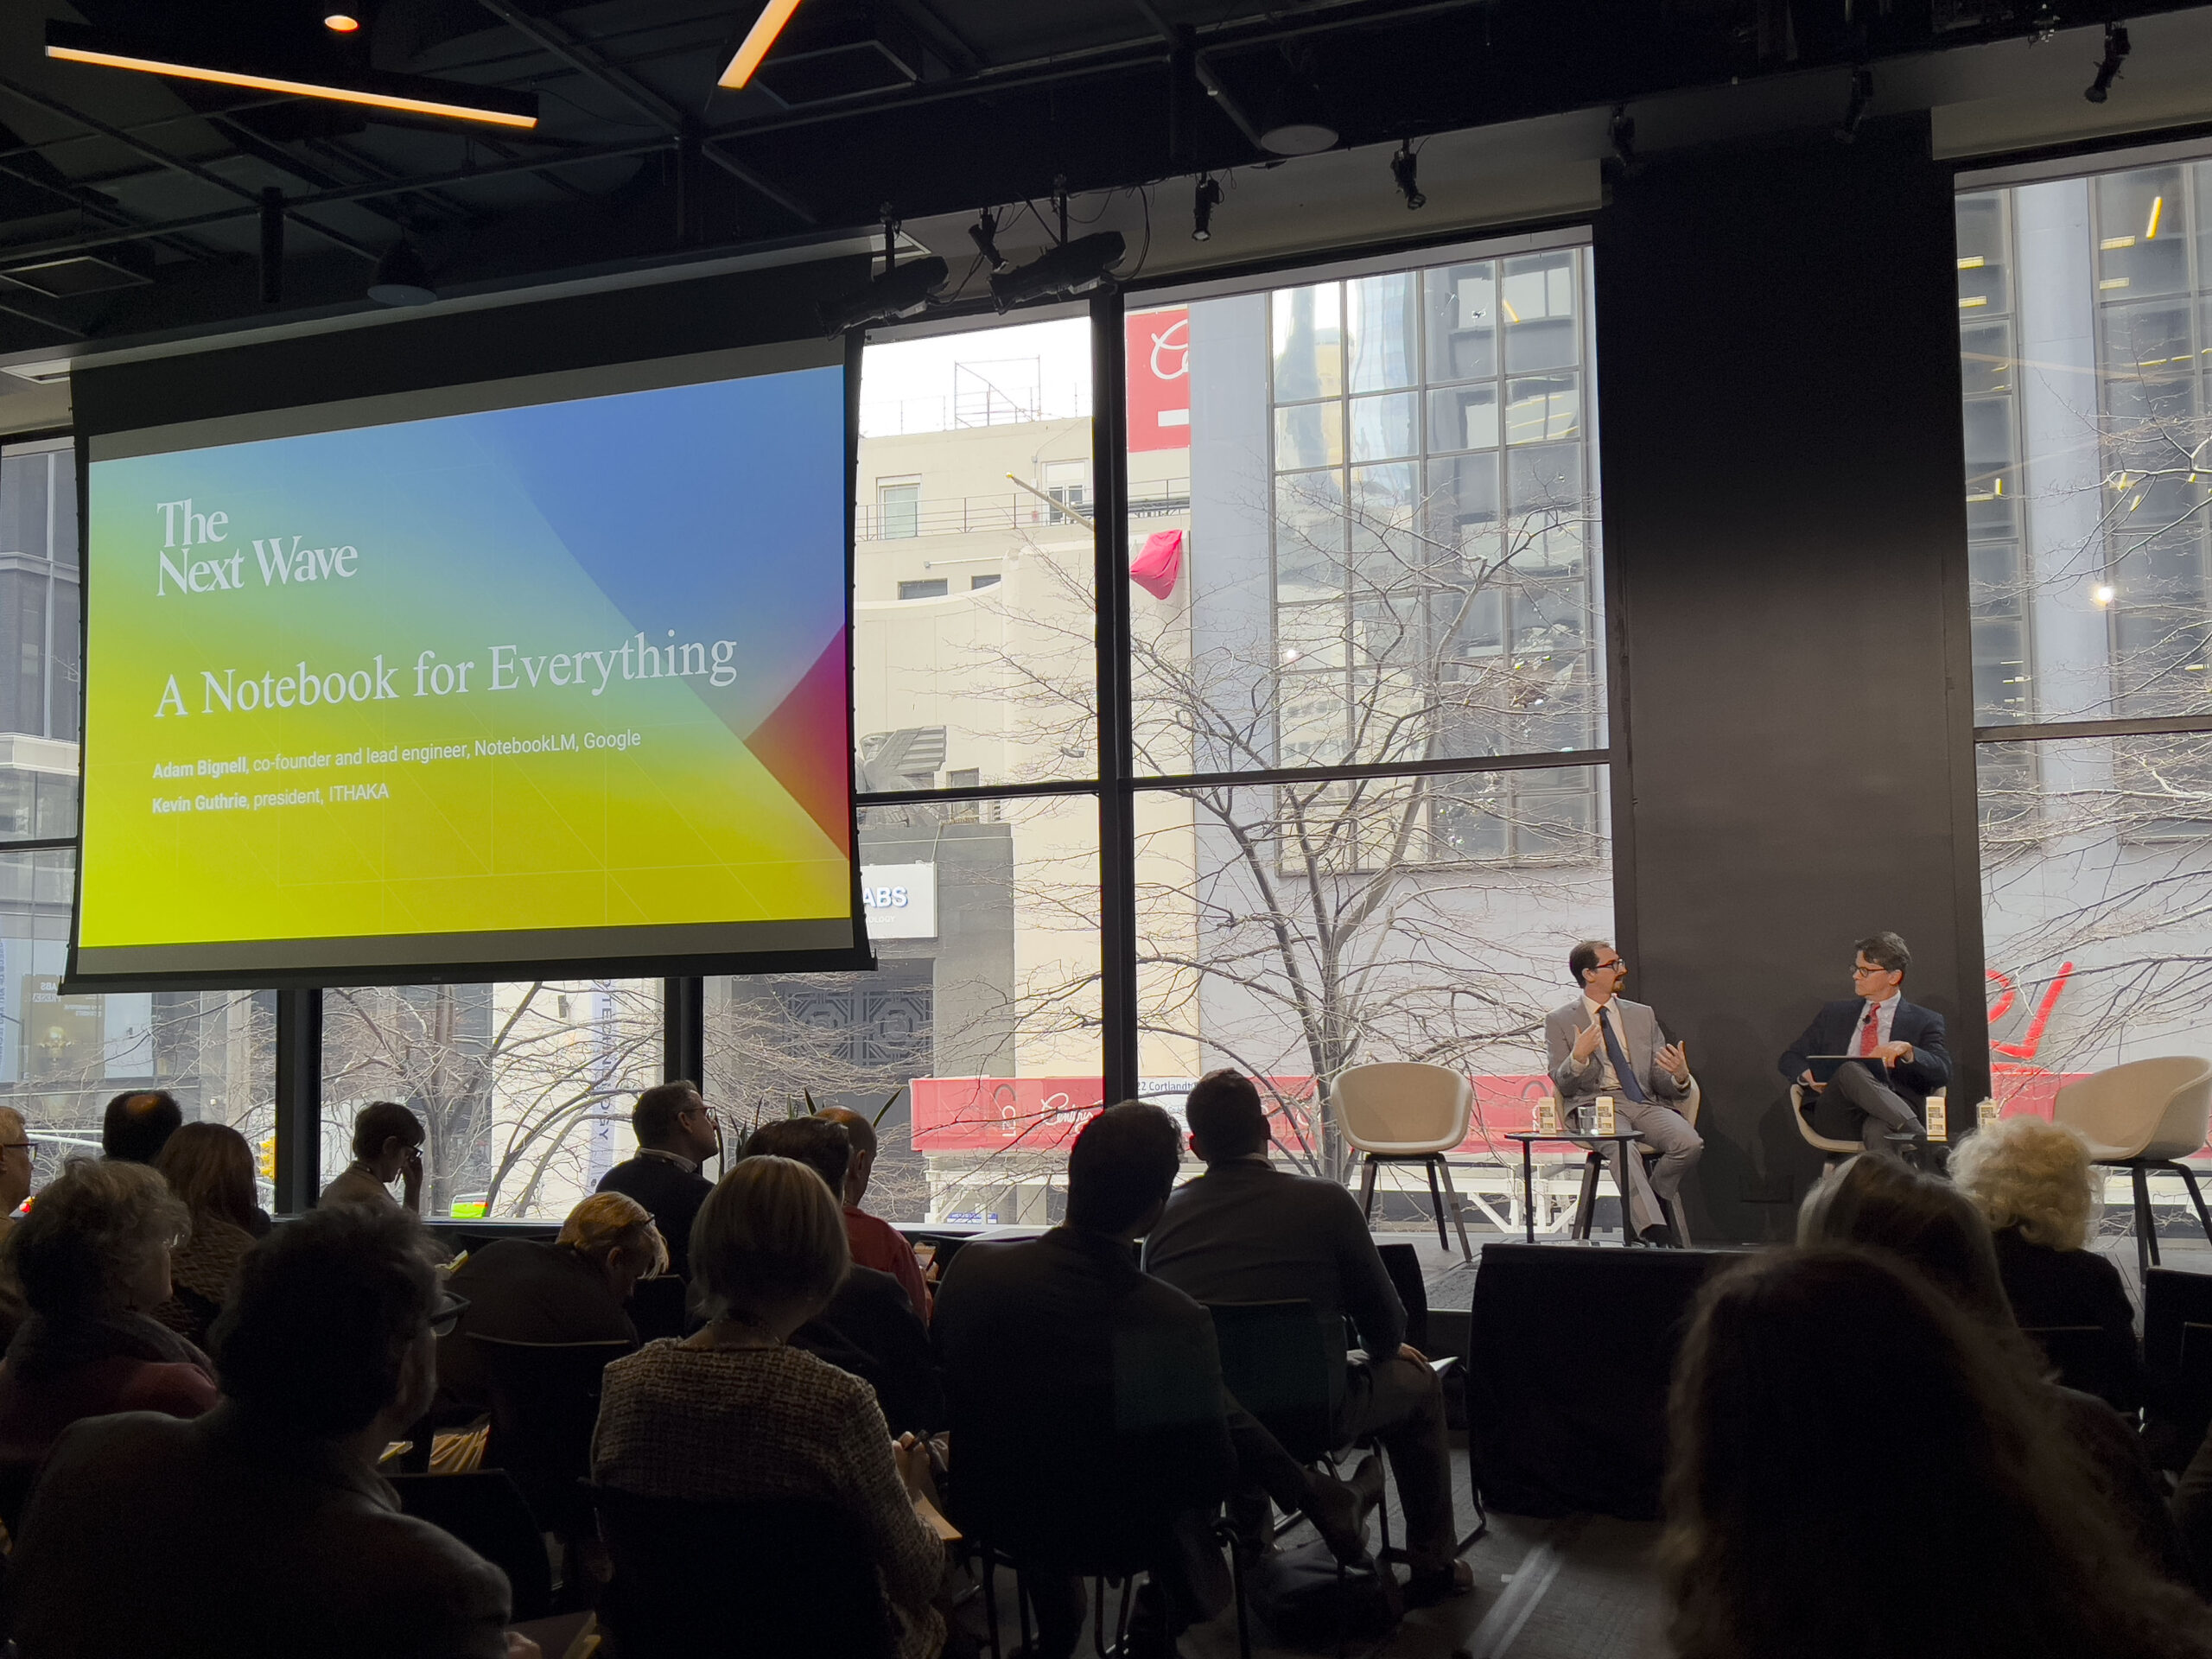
1869 1029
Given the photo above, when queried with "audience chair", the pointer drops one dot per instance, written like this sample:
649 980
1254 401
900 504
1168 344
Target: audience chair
657 1308
544 1405
487 1511
1593 1164
2083 1357
1017 1508
767 1577
2177 1354
2144 1115
1406 1112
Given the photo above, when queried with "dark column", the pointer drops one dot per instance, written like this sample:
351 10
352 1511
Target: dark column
299 1099
1785 528
684 1030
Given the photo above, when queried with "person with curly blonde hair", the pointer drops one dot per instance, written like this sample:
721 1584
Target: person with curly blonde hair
2033 1183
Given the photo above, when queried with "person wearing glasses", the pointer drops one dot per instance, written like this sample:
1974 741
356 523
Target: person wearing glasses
676 1135
1902 1041
1603 1044
263 1527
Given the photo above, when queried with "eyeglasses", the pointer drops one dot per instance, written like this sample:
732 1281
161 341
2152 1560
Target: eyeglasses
447 1314
31 1146
1601 967
1859 970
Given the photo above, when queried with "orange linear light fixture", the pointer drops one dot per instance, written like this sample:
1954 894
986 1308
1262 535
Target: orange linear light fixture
402 102
758 39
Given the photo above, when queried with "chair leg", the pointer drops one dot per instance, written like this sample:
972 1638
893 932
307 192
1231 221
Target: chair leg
2146 1242
1435 1201
2196 1195
1459 1218
1367 1189
990 1564
1586 1199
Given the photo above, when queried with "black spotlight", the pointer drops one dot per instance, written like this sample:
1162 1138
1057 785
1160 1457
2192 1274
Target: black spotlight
400 277
1405 168
2116 50
900 292
1622 132
1202 206
1076 267
1854 111
984 232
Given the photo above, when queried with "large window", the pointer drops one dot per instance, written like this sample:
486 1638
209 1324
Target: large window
1360 813
2084 340
1376 594
63 1055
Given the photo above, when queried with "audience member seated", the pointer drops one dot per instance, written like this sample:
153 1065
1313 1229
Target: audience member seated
18 1152
676 1135
869 1328
2033 1184
876 1243
1877 1204
93 1260
1245 1231
139 1125
574 1289
1854 1470
1038 1338
734 1412
210 1169
262 1530
387 1147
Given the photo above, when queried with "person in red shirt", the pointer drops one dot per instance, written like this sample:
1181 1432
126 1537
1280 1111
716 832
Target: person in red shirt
875 1243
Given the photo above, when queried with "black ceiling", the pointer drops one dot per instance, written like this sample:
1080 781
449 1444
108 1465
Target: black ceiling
130 203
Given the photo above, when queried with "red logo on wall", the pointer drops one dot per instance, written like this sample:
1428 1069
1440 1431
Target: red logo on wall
1159 345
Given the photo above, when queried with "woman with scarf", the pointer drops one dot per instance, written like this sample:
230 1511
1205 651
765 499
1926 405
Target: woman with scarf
93 1260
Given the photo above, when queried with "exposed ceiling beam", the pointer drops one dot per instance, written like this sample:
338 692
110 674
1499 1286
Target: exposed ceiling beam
178 164
325 198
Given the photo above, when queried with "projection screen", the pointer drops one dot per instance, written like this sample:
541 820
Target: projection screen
538 675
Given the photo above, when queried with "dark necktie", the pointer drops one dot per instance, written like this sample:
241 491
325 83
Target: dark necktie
1622 1071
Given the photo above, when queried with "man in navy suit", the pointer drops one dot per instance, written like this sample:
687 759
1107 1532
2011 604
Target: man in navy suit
1906 1040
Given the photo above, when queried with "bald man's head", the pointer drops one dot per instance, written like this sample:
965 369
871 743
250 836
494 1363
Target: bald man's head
861 1133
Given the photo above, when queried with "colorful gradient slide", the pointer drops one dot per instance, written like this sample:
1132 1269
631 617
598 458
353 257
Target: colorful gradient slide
559 682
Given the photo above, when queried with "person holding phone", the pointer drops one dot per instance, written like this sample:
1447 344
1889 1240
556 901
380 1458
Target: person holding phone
1603 1044
387 1147
1901 1043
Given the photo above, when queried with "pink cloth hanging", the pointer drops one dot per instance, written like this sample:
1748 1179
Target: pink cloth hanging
1155 568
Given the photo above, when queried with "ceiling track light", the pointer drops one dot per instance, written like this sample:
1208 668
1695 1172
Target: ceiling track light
2116 50
1622 133
1405 168
900 291
984 233
401 94
1202 206
1072 268
1854 111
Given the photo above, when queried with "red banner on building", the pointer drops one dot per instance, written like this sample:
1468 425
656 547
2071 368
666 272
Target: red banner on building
1159 378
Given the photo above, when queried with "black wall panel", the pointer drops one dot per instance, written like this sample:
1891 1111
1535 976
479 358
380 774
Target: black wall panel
409 353
1785 525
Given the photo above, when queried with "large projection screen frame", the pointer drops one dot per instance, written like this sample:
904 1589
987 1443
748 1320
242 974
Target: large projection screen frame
664 952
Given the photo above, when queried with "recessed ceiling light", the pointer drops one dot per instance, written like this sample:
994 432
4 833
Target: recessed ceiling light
342 23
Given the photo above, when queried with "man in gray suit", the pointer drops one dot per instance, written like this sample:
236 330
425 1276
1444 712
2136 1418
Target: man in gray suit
1602 1044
